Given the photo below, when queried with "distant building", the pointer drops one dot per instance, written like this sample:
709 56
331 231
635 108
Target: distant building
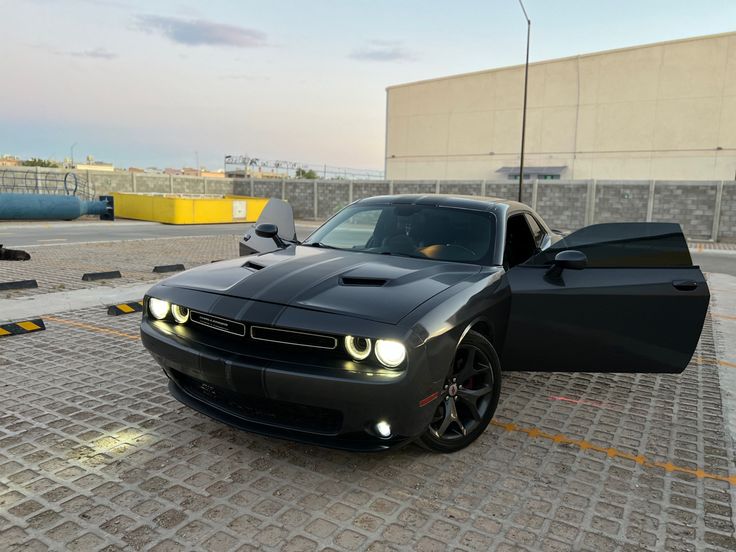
10 161
250 173
212 174
172 172
95 166
135 170
658 111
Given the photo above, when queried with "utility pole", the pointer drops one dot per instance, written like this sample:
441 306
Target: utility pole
523 114
71 151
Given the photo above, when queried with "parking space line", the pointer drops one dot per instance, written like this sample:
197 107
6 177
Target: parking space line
92 328
611 452
707 360
724 316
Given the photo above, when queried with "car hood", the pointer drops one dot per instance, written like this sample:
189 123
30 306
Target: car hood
375 287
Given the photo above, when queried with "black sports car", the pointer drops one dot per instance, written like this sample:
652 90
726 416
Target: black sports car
394 320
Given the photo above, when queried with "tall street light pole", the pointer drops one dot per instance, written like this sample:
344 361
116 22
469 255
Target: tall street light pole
71 151
523 114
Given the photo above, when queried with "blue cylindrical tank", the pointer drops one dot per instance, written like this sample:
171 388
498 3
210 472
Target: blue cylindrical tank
47 207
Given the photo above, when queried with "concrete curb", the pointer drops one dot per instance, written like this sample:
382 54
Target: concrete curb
51 303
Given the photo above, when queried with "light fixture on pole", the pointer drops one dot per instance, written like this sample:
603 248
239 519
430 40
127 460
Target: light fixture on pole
523 113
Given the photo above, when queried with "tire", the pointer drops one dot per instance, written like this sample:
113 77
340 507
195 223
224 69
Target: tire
472 389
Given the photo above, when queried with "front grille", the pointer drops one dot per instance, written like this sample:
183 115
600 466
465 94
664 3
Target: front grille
291 337
263 410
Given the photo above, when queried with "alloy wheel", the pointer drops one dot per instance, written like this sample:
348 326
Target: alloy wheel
466 395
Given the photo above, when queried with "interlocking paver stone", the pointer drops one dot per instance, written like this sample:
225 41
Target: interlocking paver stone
94 453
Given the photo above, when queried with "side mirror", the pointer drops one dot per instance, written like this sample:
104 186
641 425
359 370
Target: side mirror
270 231
575 260
571 259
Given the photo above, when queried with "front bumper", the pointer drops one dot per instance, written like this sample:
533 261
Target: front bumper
297 401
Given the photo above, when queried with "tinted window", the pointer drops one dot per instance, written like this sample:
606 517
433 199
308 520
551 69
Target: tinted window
624 244
422 231
537 231
519 241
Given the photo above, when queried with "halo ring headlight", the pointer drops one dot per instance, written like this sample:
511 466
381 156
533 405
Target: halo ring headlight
158 308
358 347
390 353
180 314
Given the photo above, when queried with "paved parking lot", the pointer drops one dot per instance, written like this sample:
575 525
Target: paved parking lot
94 454
59 269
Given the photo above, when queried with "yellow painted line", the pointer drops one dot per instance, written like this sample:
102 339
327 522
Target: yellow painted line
92 328
125 308
709 360
725 316
611 452
4 332
30 326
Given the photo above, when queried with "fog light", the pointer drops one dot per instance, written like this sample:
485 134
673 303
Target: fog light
180 314
358 347
383 428
158 308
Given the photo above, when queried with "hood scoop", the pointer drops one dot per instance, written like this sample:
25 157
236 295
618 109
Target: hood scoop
362 281
253 266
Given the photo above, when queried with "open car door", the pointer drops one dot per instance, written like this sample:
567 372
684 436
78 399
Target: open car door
278 212
621 297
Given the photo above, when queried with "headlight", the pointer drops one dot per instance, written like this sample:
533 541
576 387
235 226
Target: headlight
158 308
180 314
358 347
390 353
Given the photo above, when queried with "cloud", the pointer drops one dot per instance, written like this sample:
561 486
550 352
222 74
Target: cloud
383 50
200 32
96 53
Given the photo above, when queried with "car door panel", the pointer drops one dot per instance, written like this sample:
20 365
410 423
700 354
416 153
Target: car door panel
626 317
277 212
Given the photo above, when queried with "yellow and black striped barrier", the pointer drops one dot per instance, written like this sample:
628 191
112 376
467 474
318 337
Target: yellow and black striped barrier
22 327
125 308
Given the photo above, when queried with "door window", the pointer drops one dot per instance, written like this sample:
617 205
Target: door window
519 241
624 245
537 231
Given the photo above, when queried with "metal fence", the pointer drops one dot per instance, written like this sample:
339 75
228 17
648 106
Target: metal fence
32 180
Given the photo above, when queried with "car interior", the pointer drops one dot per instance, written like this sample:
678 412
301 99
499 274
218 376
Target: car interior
520 243
434 233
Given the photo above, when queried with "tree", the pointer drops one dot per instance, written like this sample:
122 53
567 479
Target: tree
38 162
304 173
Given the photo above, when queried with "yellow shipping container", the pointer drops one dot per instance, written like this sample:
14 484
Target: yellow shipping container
183 209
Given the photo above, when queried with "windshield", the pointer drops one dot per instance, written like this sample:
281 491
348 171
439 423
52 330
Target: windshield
421 231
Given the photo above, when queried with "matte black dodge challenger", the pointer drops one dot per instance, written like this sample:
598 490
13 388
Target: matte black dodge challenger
393 321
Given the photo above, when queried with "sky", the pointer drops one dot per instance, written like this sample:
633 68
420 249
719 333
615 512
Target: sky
167 83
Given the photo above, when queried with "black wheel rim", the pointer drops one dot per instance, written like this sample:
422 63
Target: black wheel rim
466 395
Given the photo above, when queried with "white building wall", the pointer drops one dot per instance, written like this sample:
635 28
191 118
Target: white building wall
660 111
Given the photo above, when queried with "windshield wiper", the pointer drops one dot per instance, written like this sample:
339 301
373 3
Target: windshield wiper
322 245
395 254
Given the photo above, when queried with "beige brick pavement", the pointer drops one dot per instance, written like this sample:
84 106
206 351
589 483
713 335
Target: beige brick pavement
95 455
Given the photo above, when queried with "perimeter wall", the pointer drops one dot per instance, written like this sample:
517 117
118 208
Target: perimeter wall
705 209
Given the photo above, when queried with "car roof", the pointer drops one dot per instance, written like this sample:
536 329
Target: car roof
478 203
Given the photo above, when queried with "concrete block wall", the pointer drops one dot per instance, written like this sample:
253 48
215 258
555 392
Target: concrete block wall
461 187
705 209
301 195
621 200
689 203
727 226
332 196
563 204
